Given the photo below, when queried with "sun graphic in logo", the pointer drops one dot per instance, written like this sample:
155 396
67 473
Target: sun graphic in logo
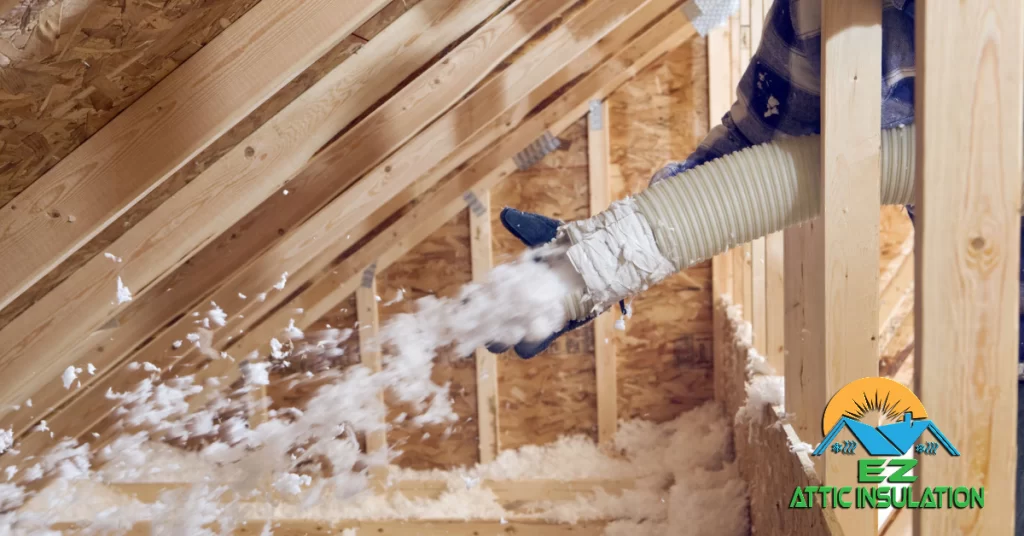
860 398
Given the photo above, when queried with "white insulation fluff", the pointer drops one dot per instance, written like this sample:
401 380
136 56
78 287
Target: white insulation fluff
686 483
764 386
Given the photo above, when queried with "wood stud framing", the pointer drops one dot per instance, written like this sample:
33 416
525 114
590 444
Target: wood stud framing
442 146
845 250
453 132
968 188
599 164
602 66
773 259
479 204
758 276
486 170
304 252
370 354
720 98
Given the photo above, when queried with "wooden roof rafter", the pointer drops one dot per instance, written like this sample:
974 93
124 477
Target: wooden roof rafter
426 215
187 111
624 55
558 48
255 169
485 172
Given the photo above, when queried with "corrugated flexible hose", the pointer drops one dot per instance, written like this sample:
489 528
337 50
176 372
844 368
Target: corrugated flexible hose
709 209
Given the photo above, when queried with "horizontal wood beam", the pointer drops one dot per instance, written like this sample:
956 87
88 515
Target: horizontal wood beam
171 123
506 491
515 496
304 527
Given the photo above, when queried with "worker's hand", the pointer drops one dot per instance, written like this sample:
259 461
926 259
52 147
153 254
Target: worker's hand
535 230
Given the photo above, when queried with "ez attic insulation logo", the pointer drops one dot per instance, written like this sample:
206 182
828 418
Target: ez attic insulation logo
874 396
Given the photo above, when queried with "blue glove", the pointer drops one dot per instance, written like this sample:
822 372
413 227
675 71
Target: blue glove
535 230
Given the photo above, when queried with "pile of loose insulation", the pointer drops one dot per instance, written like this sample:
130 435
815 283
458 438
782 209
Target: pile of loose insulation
688 457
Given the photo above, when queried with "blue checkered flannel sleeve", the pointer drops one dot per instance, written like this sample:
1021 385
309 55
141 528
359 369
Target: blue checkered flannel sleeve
779 93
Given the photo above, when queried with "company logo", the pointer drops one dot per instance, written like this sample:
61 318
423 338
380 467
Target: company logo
857 409
889 399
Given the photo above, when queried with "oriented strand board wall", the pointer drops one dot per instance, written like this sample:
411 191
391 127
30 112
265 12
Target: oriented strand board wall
665 353
554 393
895 228
438 266
291 387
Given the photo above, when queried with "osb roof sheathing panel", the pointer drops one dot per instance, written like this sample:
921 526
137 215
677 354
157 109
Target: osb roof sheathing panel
67 68
15 174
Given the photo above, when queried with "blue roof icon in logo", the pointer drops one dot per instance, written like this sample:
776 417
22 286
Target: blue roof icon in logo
888 440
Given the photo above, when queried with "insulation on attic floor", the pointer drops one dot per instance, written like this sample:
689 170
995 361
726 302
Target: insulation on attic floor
685 484
684 479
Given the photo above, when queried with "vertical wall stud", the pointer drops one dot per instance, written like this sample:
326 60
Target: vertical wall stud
968 188
370 354
599 164
845 251
486 363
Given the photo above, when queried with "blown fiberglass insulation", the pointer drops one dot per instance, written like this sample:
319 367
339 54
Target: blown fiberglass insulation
696 493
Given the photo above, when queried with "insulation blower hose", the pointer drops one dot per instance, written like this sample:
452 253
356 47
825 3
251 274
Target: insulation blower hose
704 211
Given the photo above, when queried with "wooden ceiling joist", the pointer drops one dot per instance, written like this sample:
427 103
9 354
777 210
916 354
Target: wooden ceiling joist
179 117
221 195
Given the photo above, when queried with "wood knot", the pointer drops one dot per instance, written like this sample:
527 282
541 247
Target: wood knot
978 243
53 213
250 152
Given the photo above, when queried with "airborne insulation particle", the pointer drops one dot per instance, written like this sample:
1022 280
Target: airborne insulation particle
123 294
217 315
69 376
6 440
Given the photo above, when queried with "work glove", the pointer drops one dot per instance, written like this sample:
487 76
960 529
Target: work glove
535 230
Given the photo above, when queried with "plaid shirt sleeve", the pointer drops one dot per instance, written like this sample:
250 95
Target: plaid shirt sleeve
779 93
